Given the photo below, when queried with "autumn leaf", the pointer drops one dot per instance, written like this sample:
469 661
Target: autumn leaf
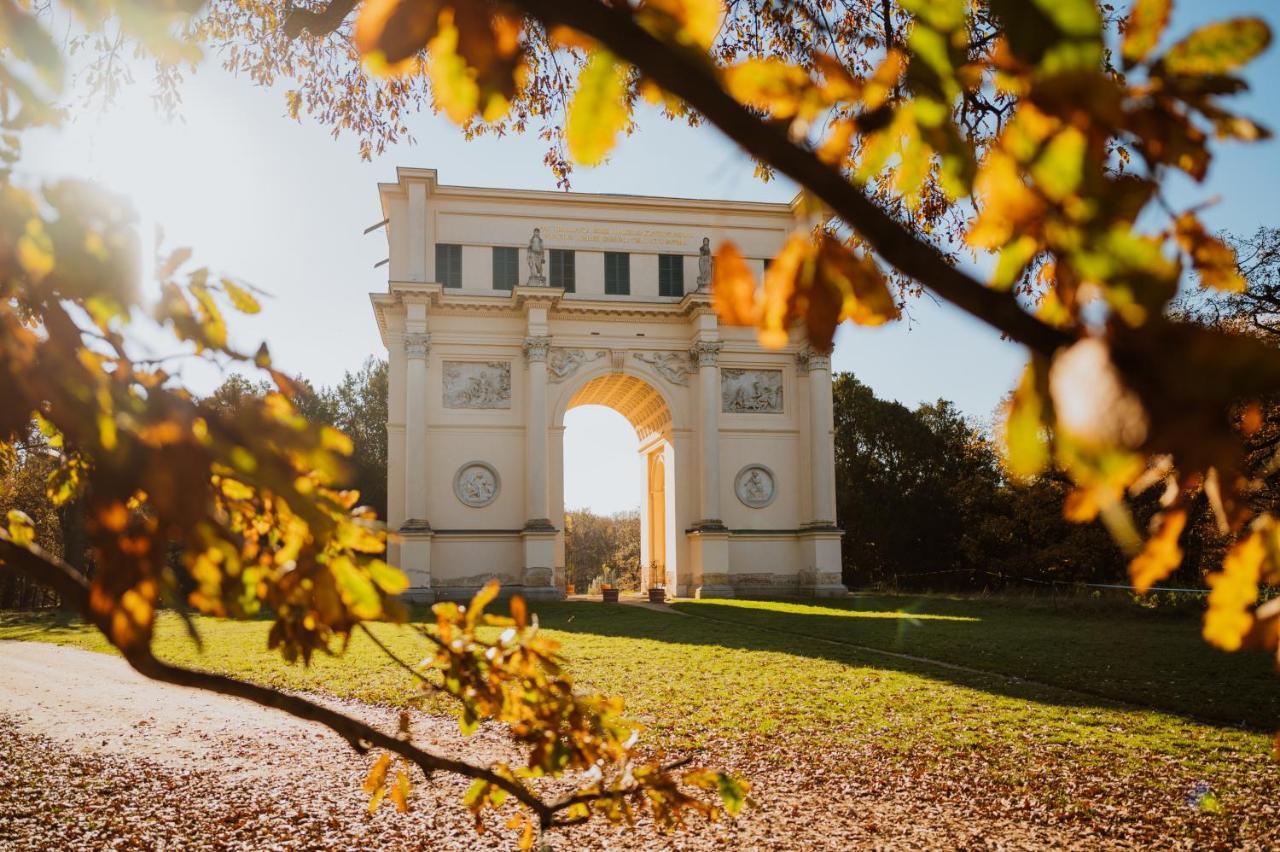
599 111
1218 48
1232 591
1161 555
1025 439
1213 259
733 287
1147 20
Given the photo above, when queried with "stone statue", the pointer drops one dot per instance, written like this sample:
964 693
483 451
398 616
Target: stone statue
536 258
705 264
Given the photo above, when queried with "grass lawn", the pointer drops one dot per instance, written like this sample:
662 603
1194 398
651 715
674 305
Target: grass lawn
1110 693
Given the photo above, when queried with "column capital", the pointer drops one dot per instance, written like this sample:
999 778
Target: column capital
417 344
706 353
536 347
808 359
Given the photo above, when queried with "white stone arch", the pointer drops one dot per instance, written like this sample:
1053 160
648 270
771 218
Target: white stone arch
659 415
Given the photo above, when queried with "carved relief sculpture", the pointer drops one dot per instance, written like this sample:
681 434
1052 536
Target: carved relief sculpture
563 363
536 256
476 484
754 486
751 391
705 264
477 384
672 366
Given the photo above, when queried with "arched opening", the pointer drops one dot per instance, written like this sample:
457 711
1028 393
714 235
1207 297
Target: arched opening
592 441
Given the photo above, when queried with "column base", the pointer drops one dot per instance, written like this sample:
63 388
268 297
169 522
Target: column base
413 542
539 574
821 578
709 558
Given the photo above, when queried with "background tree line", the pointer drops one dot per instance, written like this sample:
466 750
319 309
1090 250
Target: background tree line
595 542
357 406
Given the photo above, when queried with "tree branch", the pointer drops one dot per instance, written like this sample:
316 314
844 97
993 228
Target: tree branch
318 23
688 74
43 567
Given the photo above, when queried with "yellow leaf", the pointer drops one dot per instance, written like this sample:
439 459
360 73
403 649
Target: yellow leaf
240 297
772 85
1026 443
598 111
35 251
780 282
1212 258
836 145
733 288
1161 556
21 530
698 20
1142 30
1232 591
400 792
1007 205
453 84
377 776
1218 48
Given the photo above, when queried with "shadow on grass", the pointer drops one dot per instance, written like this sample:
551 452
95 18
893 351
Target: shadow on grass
1066 659
42 625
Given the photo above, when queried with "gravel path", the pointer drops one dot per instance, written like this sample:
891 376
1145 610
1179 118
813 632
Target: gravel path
94 756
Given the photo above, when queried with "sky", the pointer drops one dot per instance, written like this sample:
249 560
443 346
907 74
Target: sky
282 204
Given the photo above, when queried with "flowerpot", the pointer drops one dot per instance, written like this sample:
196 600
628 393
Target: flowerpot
657 594
569 589
609 595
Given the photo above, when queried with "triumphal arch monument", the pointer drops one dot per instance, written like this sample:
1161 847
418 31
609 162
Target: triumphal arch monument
507 308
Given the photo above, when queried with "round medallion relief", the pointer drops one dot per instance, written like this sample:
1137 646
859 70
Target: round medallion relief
476 484
754 486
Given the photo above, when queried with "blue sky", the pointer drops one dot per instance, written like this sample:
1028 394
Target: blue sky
282 205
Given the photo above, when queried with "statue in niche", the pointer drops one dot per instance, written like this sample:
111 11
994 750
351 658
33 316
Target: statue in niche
537 256
705 264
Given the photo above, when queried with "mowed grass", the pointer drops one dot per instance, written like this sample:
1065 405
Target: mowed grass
1116 688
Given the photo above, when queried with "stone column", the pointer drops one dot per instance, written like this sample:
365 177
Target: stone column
539 534
706 355
535 353
708 538
820 536
415 533
822 450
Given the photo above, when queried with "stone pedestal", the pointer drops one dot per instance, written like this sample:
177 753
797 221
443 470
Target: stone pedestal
822 574
414 545
538 576
709 555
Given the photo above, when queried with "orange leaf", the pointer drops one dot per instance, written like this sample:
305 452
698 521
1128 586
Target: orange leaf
1161 556
733 287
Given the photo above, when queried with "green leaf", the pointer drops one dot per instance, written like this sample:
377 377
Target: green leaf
475 795
1218 48
598 111
1059 170
733 792
1142 30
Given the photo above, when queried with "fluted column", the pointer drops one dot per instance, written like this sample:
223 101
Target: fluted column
535 351
822 452
706 355
416 345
